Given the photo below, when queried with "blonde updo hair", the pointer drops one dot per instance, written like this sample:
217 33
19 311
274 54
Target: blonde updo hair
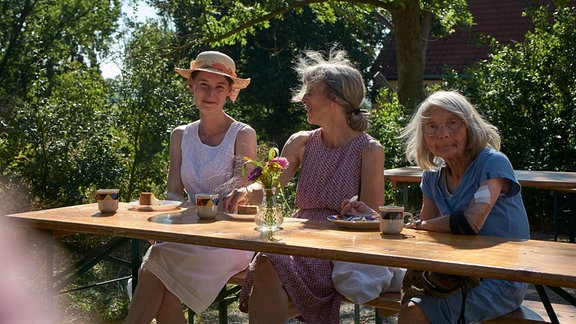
343 83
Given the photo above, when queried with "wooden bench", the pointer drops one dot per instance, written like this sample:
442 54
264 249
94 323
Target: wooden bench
531 311
388 304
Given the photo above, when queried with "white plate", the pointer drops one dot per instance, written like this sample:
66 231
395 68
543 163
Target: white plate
246 217
164 205
356 222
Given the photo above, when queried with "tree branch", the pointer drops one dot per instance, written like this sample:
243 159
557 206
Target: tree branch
386 4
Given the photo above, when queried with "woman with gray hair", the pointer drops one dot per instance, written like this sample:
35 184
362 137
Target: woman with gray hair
337 161
469 187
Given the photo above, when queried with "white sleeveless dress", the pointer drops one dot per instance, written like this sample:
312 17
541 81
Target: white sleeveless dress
195 273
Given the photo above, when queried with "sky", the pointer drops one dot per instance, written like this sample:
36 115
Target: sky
108 67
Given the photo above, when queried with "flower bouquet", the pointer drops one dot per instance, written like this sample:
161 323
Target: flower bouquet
269 217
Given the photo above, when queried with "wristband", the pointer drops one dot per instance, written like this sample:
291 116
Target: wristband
459 224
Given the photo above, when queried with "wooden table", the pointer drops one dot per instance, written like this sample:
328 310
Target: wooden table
552 180
492 257
532 261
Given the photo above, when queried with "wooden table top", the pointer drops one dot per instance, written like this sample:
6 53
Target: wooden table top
536 179
538 262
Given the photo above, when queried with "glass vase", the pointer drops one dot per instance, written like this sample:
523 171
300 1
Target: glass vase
269 217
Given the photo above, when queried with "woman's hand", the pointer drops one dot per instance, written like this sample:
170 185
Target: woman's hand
416 224
233 199
355 207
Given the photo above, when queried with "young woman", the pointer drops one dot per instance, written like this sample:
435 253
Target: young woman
205 156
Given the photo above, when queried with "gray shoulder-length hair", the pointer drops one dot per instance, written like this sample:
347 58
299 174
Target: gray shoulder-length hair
343 83
481 133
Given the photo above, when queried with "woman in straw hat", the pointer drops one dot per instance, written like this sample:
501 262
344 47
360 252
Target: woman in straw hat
205 156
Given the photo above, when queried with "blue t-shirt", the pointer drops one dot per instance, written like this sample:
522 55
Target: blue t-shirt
506 219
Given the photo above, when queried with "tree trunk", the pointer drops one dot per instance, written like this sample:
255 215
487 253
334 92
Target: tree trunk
409 55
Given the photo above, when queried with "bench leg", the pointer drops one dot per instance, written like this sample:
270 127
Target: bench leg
377 318
356 314
190 315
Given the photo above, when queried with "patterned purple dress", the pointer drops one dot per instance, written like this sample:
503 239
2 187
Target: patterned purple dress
327 177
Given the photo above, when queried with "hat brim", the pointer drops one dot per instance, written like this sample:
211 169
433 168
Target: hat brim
237 83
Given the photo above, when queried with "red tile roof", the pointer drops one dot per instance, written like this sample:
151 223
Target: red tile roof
501 19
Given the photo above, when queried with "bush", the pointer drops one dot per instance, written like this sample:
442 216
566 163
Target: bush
528 90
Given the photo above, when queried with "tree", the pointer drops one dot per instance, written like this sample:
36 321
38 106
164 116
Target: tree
50 94
412 21
41 36
268 59
152 100
528 91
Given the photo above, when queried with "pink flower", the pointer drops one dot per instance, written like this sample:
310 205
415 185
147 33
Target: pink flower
282 161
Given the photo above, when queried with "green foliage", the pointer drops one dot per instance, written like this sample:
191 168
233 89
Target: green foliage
100 304
152 100
387 120
51 95
528 90
65 139
267 51
42 37
65 132
268 60
448 15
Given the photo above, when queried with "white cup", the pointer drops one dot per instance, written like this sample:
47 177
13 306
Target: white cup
108 200
392 219
206 205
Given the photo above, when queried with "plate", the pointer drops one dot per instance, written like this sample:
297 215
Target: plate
356 221
164 205
175 218
246 217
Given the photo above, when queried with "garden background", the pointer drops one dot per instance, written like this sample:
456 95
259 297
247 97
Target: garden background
66 131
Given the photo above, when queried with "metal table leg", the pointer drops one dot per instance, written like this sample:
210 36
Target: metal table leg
547 305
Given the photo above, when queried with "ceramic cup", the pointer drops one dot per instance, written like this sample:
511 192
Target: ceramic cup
206 205
392 219
108 200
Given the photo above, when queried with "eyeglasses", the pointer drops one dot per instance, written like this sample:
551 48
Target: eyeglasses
432 128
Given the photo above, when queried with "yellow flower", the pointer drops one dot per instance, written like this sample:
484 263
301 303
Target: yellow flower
268 173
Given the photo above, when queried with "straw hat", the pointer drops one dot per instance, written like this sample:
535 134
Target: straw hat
218 63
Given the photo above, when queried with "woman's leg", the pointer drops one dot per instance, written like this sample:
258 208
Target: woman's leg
411 313
170 311
269 303
149 300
